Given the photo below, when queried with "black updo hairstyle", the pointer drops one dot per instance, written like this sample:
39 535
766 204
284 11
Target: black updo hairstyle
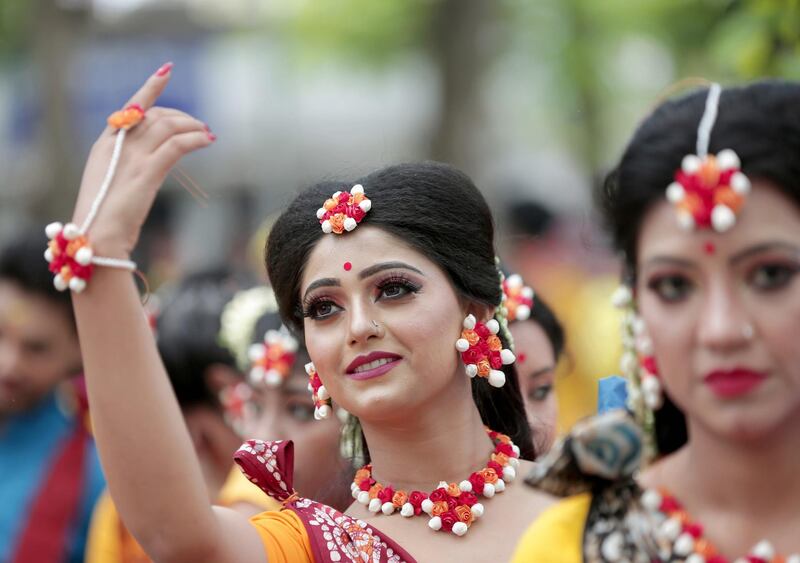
187 333
760 121
543 315
22 263
438 211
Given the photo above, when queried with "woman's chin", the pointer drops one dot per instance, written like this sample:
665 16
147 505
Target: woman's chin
752 423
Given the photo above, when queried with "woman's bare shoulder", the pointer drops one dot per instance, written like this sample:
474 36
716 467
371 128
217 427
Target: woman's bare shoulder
536 497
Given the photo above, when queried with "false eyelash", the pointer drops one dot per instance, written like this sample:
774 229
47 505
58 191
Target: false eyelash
310 302
401 280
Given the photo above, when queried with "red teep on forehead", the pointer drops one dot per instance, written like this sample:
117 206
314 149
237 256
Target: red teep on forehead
709 248
348 266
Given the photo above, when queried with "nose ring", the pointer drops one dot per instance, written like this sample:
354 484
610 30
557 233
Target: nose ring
748 331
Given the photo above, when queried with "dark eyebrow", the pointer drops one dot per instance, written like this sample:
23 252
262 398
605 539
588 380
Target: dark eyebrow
541 372
757 249
669 260
764 247
372 270
367 272
322 282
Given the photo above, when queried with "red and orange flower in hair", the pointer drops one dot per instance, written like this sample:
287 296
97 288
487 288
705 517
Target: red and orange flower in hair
343 211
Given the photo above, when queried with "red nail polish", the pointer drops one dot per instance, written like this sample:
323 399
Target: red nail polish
211 136
165 68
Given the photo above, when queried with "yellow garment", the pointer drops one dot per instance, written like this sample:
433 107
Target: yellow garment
557 535
110 542
284 537
238 489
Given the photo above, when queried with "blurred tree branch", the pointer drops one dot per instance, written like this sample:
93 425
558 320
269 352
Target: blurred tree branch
55 36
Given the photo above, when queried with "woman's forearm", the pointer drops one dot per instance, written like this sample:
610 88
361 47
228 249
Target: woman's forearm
146 452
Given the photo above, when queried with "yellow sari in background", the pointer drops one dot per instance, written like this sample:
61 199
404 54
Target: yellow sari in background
110 542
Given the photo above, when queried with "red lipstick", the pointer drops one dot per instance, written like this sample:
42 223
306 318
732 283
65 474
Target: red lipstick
372 365
729 384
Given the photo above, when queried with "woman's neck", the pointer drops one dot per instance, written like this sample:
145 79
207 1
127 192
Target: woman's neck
741 477
445 442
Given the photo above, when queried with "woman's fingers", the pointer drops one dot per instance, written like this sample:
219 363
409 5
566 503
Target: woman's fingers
176 146
152 88
165 124
147 95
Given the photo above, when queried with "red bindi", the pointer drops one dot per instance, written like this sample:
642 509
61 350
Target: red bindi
709 248
521 357
348 266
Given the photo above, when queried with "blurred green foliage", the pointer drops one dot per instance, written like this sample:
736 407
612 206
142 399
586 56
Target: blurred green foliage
372 31
734 39
16 19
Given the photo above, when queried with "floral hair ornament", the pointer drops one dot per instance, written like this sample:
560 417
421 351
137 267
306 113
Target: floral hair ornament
69 253
273 359
343 211
709 190
482 350
518 298
638 367
239 318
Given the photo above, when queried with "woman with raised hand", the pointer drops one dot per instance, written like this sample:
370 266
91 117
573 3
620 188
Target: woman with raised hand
394 284
705 206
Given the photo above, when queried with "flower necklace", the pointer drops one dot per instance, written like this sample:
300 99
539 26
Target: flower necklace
452 507
685 536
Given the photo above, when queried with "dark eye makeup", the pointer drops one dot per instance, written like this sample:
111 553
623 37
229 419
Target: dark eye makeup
389 287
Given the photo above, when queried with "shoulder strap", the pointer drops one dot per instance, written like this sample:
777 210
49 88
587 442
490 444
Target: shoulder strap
269 465
334 536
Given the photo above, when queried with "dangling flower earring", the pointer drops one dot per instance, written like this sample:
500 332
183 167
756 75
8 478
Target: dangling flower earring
320 396
638 363
482 350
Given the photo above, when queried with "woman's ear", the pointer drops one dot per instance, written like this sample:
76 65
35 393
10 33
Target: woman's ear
480 311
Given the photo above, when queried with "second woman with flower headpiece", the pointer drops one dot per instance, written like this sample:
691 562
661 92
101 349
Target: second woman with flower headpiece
393 282
705 206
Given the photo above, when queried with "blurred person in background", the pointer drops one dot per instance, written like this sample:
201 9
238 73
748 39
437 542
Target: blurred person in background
704 206
206 382
558 256
538 345
50 475
280 406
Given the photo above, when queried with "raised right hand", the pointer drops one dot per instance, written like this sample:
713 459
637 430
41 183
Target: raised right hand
151 149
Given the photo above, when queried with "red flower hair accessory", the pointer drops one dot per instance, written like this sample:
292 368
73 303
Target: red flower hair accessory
482 350
322 400
272 360
518 298
344 211
709 190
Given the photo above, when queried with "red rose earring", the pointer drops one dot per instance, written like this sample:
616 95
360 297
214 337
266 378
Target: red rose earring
320 395
482 350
